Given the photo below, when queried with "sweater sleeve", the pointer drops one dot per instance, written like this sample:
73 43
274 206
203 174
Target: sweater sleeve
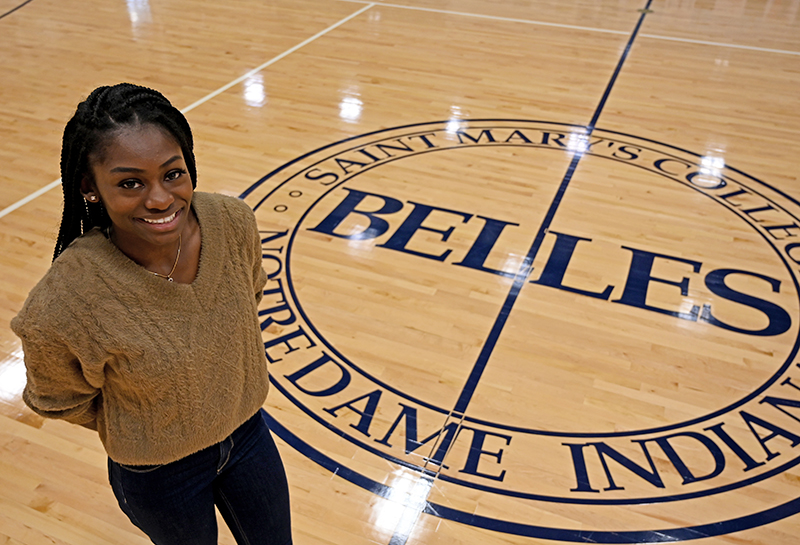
56 386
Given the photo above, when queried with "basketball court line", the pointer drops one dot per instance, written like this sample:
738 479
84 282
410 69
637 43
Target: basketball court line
576 27
404 529
29 198
416 505
491 17
56 183
527 264
275 59
718 44
369 5
12 10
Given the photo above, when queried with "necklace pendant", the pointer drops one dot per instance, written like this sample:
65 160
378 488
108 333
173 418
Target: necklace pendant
169 278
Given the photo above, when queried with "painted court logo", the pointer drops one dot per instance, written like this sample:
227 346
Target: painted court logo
553 319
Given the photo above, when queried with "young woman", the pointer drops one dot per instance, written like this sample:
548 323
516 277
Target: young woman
145 327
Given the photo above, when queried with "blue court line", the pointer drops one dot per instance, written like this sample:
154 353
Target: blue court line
401 535
525 270
16 8
519 280
622 59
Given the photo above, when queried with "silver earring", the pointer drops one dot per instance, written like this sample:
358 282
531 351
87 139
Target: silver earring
92 198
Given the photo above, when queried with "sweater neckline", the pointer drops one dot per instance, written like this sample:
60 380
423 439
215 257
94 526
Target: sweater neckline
209 245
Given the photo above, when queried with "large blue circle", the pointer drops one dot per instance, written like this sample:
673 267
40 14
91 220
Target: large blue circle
706 530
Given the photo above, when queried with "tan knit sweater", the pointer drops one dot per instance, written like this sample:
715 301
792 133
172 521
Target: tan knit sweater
160 369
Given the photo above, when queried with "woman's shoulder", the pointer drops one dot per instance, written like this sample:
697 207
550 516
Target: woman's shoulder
217 202
231 218
68 282
87 257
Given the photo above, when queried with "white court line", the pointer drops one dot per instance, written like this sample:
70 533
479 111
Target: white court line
205 99
493 17
718 44
275 59
208 97
573 27
29 198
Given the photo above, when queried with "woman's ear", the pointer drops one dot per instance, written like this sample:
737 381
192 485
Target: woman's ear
88 190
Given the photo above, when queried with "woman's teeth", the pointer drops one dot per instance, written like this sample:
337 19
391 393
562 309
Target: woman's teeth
162 220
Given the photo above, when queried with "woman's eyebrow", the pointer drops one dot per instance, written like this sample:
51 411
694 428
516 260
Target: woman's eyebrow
134 169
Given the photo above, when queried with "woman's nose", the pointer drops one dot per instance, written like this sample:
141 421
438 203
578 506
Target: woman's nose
158 198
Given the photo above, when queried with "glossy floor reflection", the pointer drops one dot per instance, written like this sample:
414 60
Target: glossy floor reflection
533 265
12 378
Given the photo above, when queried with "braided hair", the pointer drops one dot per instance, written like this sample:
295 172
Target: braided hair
106 110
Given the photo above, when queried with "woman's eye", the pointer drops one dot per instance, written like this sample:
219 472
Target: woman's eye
175 174
129 184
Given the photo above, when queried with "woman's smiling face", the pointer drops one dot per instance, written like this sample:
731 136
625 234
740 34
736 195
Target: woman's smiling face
140 177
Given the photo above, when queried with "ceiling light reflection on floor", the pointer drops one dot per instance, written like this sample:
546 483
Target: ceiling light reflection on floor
140 16
710 173
407 499
254 93
578 143
455 122
350 109
12 377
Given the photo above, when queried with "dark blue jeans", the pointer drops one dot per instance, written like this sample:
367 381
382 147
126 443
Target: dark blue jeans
243 476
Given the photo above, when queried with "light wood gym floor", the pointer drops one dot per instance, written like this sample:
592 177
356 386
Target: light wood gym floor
534 263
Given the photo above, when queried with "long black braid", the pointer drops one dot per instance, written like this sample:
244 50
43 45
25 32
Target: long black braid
106 110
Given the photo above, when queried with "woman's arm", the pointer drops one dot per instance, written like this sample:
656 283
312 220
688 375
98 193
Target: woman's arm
57 387
259 276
